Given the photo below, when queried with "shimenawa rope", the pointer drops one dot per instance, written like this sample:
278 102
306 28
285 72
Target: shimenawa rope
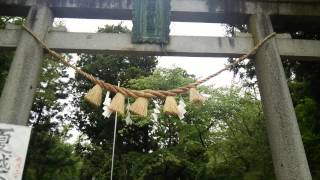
143 93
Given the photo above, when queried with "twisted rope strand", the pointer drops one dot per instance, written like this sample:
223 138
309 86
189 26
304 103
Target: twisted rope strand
143 93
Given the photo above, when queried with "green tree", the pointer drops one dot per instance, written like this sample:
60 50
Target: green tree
47 148
95 128
222 139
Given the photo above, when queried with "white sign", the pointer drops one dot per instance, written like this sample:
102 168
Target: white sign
14 142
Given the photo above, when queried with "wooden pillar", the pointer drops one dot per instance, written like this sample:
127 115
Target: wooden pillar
288 155
17 95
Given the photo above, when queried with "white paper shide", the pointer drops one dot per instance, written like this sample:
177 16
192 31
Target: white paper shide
14 142
106 104
181 109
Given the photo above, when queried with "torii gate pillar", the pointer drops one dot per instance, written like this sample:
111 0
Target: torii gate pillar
18 92
288 155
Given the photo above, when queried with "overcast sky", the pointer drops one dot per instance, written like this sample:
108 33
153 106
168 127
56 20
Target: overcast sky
199 66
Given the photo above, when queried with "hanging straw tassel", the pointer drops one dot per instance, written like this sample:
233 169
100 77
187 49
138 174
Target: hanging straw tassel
170 106
195 96
94 96
140 106
117 103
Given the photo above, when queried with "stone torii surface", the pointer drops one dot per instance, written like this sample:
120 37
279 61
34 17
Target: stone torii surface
207 46
286 144
215 11
18 92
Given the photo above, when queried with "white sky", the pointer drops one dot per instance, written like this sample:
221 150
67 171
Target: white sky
199 66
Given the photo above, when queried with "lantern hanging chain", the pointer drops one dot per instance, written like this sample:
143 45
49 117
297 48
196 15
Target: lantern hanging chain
143 93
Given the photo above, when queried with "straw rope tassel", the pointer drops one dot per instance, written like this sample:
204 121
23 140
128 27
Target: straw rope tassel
170 106
117 103
94 96
195 96
140 107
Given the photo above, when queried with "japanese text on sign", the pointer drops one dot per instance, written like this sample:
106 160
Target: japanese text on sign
13 149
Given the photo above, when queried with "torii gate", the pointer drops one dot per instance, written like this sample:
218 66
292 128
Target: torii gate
287 149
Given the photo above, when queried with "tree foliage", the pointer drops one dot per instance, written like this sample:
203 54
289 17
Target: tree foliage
222 139
90 122
48 148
